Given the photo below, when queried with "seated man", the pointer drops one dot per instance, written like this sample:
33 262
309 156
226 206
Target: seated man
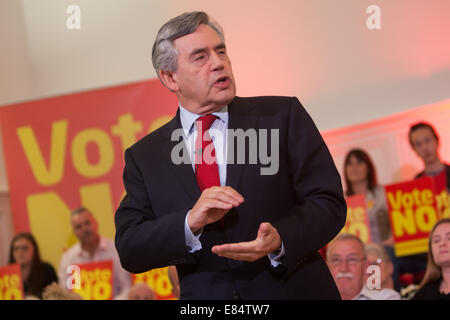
92 248
377 256
347 261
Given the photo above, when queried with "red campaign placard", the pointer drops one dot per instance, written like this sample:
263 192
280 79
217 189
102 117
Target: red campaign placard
357 222
413 213
11 286
67 151
442 195
93 281
158 280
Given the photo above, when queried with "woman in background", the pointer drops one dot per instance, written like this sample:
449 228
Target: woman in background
360 178
436 282
36 274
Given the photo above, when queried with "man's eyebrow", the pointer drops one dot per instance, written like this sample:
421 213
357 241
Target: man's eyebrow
220 46
205 49
197 51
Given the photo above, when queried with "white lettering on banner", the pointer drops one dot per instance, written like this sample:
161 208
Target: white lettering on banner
74 20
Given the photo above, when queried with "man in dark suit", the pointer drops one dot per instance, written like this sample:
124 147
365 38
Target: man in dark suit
234 227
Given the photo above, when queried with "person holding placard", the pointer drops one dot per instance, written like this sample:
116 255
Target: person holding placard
91 248
361 178
425 142
36 274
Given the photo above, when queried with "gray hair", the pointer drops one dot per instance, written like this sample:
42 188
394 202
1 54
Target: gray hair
79 210
343 237
164 55
377 250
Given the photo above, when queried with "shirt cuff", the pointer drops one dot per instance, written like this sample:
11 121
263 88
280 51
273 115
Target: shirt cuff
192 240
276 256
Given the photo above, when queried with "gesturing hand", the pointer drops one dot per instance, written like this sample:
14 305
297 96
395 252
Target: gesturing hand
268 240
212 205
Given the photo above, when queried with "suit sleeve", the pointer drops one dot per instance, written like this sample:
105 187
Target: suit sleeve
320 210
143 241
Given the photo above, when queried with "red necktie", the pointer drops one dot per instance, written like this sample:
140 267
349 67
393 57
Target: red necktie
206 169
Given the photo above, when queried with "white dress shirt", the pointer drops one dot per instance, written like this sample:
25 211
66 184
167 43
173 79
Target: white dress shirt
105 251
218 133
383 294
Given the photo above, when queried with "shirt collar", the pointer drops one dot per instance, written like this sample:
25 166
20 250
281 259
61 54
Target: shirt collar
101 246
188 118
371 294
364 293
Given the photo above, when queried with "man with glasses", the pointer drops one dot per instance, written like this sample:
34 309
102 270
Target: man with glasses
348 263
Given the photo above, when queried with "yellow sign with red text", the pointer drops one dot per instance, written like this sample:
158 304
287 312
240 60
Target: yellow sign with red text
11 287
442 195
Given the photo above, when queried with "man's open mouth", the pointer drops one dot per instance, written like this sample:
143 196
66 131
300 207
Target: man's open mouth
222 82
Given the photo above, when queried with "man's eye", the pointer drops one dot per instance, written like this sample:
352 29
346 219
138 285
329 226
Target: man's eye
199 58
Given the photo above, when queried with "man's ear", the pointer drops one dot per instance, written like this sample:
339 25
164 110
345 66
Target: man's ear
168 79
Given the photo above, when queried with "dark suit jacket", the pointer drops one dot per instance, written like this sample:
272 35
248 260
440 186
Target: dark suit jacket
304 201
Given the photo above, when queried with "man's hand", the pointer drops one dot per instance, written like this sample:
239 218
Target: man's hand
267 241
212 205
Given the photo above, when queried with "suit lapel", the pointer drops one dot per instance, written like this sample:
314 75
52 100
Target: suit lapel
183 172
239 118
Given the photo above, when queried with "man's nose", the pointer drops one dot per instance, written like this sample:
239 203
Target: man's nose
217 62
344 266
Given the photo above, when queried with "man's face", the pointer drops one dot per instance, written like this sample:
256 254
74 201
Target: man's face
84 227
425 144
347 265
204 80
